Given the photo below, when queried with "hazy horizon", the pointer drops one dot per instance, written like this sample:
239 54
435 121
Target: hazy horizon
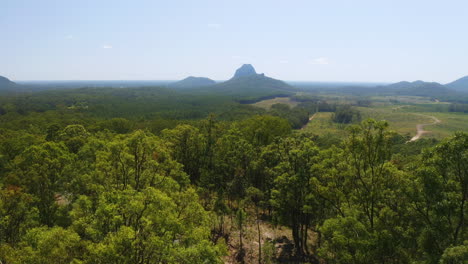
297 40
155 80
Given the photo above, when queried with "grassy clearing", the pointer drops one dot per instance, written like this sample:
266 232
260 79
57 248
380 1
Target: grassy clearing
450 123
400 121
402 112
266 104
404 119
322 125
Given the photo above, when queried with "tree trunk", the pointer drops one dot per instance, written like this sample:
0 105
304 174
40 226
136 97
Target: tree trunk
259 242
297 237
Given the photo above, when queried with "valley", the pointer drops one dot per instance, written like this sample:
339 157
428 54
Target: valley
412 116
247 170
233 132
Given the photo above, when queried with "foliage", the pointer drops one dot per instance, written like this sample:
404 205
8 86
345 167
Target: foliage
346 114
151 175
290 195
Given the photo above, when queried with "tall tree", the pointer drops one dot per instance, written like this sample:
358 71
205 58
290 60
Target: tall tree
440 196
290 196
44 171
187 145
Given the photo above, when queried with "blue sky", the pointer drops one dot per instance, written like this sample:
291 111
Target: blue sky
347 40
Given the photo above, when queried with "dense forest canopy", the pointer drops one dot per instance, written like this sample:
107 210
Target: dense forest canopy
153 175
140 132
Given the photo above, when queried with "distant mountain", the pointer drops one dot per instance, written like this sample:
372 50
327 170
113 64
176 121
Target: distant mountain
245 70
253 83
419 88
459 85
193 82
246 83
8 86
5 82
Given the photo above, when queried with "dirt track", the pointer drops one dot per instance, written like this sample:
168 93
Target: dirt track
420 128
310 119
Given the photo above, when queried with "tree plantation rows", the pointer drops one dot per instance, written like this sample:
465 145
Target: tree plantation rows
72 196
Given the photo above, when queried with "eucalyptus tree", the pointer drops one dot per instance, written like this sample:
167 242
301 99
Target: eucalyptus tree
440 197
291 194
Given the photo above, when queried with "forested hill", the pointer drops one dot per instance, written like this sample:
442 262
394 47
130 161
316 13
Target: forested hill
247 85
460 84
192 82
253 85
419 88
8 86
432 90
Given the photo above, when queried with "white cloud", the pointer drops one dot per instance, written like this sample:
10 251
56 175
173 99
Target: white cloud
107 46
214 25
284 61
320 61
